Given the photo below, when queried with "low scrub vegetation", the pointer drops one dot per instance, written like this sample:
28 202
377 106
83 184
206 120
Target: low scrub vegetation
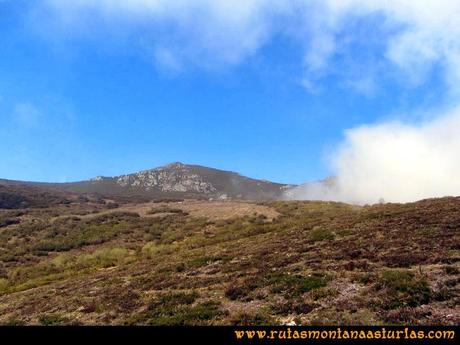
178 309
295 284
403 288
166 209
319 233
92 262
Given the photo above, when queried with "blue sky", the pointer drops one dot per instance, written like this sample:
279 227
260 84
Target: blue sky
93 88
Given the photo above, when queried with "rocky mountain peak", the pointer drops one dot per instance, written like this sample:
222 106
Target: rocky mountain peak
174 165
174 177
180 180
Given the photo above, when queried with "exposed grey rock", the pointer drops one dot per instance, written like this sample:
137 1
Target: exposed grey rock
178 180
174 177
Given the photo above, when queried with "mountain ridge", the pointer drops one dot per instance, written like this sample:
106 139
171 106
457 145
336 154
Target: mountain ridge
172 180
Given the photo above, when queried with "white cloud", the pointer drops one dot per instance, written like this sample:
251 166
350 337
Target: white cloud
200 32
429 34
210 33
395 161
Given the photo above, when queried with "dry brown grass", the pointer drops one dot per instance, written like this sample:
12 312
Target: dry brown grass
214 210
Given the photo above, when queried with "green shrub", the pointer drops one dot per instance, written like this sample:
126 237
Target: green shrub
3 284
106 257
297 284
174 299
166 209
366 278
323 293
403 288
444 294
151 249
96 231
14 322
51 319
253 319
178 309
321 234
205 311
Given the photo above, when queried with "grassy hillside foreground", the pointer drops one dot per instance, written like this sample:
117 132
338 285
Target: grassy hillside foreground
230 263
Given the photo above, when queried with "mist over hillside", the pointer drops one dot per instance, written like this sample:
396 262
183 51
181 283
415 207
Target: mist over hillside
394 162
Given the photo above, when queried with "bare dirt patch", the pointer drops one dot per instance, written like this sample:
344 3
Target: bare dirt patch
226 209
214 210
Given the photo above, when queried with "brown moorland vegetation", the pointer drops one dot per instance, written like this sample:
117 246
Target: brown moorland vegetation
221 263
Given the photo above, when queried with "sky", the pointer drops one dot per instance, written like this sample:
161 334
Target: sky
288 90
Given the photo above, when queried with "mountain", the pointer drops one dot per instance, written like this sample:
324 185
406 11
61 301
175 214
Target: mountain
16 194
175 180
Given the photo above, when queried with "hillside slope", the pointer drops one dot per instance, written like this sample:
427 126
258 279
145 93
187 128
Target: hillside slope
197 263
15 194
